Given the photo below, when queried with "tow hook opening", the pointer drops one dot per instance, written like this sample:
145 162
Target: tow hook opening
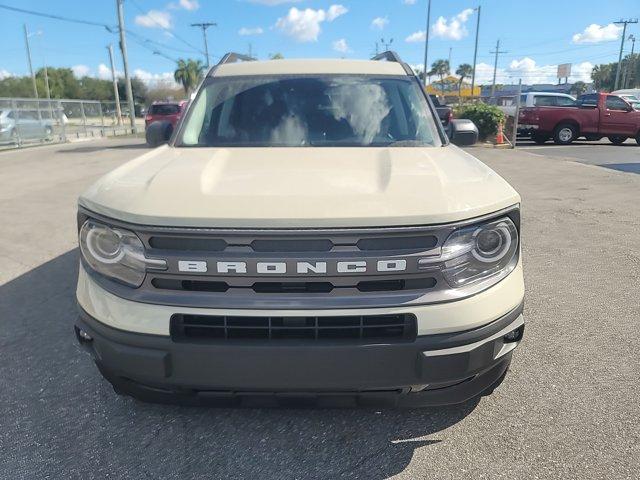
83 337
514 335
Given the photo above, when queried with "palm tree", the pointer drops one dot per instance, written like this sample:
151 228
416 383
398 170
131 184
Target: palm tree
578 88
188 73
440 68
464 70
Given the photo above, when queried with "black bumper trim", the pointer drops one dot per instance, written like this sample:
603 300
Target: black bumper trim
147 365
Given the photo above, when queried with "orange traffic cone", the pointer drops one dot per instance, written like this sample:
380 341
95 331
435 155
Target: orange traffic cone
499 135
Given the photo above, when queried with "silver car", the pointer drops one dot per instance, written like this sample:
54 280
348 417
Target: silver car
20 125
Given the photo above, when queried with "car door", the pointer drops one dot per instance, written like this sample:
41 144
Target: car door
615 117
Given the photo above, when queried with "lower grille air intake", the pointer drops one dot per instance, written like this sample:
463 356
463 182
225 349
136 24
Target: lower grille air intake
357 328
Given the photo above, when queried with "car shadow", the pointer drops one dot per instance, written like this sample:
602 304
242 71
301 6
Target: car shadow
93 149
62 420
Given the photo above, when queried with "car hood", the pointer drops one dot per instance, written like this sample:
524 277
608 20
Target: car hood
299 187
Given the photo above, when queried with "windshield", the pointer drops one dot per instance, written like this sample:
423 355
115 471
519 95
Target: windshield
298 111
164 109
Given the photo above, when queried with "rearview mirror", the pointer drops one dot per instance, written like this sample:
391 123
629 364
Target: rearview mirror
463 132
158 133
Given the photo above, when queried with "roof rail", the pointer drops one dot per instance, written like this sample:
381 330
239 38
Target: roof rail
391 56
233 57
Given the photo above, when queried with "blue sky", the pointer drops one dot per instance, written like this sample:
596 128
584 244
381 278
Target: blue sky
537 37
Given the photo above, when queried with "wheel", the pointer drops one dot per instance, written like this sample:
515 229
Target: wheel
617 139
564 134
539 138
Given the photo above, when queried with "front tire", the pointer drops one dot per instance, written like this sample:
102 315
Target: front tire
617 139
565 134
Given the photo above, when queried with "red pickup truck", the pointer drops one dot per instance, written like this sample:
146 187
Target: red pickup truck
595 115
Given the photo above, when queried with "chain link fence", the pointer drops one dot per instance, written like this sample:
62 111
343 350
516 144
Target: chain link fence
28 121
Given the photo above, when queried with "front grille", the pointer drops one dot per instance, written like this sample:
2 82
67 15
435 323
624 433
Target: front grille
286 287
272 244
356 328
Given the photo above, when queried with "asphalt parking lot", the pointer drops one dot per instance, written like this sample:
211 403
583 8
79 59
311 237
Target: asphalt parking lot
568 408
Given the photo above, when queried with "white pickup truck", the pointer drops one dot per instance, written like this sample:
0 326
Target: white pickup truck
308 232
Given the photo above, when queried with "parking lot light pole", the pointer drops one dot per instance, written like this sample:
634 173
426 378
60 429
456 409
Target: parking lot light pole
475 52
426 45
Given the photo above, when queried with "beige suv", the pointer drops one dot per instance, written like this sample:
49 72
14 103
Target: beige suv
308 232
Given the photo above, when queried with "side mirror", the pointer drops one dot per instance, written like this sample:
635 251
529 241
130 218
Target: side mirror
463 132
158 133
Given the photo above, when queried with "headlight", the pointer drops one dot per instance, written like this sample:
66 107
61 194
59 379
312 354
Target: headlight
116 253
479 252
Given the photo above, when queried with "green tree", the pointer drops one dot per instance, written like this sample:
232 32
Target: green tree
188 73
441 69
276 56
464 70
604 75
138 88
578 88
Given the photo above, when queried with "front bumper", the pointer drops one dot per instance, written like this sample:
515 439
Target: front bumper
436 369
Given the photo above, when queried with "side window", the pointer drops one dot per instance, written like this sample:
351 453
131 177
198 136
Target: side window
565 102
11 115
616 103
544 101
589 100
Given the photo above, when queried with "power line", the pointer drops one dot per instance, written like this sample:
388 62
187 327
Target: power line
173 35
57 17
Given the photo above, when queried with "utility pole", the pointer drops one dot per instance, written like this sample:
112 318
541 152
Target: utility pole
204 27
450 48
33 77
46 81
250 50
475 52
495 67
624 32
125 61
426 44
631 63
115 85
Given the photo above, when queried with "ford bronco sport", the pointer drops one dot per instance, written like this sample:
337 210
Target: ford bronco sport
308 232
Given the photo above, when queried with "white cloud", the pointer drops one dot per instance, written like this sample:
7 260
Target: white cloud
250 31
594 33
80 71
155 19
5 74
335 11
409 2
418 36
341 46
530 72
104 72
164 79
304 25
379 22
453 28
190 4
